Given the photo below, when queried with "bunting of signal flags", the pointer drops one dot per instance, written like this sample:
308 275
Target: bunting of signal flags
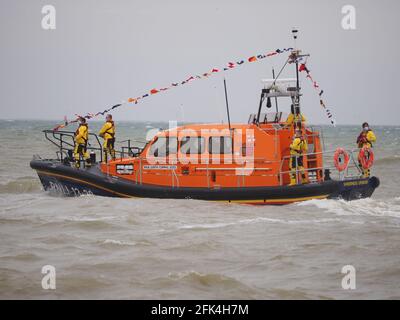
137 99
320 92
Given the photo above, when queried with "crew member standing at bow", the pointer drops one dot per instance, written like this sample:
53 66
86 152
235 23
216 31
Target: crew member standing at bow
81 141
107 132
297 149
365 140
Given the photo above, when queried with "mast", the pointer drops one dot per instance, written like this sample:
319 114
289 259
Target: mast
294 33
272 88
295 56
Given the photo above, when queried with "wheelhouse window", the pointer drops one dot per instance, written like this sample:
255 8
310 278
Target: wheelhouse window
220 145
164 146
192 145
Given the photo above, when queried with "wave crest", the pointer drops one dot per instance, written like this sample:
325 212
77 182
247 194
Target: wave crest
21 185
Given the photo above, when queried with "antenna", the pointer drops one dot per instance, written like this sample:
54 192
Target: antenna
276 99
227 105
294 33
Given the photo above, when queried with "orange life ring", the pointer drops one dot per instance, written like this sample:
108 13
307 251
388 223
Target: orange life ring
366 157
341 159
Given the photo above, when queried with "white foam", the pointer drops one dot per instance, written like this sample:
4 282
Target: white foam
362 207
119 242
256 220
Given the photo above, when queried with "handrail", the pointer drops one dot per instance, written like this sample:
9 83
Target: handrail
58 138
352 163
321 134
323 153
174 175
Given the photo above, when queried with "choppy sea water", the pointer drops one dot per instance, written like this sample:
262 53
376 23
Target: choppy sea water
106 248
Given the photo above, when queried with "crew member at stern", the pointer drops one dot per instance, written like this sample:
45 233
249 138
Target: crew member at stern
297 149
107 132
364 141
366 137
81 140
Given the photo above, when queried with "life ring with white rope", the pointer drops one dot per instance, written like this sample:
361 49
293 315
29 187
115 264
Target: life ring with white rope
366 157
341 159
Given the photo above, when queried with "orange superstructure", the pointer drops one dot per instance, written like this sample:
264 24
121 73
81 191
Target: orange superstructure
211 155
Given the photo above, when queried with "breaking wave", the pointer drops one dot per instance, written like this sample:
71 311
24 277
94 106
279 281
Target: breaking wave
213 284
122 243
254 221
21 185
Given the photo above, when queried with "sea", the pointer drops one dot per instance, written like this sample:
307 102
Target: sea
111 248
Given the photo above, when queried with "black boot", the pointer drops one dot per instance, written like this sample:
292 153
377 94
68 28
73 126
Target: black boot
88 163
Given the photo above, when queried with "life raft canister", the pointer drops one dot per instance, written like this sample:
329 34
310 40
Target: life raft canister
366 157
341 159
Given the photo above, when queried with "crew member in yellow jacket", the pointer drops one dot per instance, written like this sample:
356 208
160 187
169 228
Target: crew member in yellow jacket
81 139
107 132
365 140
297 149
295 118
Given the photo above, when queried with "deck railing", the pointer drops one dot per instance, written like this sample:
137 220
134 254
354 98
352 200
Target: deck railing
352 169
64 141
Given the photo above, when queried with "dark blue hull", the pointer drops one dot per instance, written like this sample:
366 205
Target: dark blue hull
69 181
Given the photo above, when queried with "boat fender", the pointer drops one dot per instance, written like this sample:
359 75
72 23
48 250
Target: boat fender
341 159
366 157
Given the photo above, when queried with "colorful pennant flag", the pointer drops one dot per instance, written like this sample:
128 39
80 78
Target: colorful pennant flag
315 85
229 66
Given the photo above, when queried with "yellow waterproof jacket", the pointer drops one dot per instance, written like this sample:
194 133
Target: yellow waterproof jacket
108 130
82 134
365 139
298 146
294 119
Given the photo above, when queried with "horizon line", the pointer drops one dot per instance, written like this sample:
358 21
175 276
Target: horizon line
189 122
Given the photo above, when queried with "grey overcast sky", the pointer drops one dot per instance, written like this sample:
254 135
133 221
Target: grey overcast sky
104 51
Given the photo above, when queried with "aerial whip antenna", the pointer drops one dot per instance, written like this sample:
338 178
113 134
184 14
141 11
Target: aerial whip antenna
276 99
294 33
227 105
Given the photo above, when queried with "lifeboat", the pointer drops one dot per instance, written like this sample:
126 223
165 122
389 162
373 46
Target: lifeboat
239 162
